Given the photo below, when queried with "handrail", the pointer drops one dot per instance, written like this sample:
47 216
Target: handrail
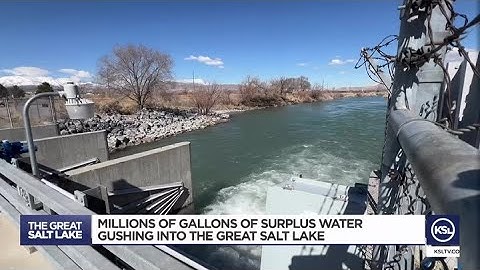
140 257
448 170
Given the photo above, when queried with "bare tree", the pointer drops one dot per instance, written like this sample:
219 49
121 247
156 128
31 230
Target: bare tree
303 83
285 85
224 97
252 87
135 71
279 85
205 97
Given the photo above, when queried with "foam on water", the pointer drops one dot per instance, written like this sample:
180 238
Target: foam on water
312 161
248 197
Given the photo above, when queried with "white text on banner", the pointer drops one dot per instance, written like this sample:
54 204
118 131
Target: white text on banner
258 229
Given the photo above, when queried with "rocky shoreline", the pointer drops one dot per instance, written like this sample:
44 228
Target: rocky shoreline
142 127
152 125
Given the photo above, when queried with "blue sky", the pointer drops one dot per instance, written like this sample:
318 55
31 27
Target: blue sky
264 38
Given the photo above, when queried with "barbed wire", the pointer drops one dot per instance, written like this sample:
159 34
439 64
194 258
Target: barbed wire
377 53
414 58
410 192
409 57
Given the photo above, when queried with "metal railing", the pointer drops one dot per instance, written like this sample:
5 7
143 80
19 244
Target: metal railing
448 170
45 110
79 257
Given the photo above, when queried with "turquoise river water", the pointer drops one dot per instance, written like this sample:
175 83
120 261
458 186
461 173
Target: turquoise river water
234 163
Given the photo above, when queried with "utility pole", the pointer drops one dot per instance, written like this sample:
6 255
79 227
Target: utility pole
193 79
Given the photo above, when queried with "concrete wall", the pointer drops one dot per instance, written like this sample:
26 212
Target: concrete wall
18 134
155 167
62 151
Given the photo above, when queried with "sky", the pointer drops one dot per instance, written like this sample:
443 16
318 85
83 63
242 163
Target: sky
219 41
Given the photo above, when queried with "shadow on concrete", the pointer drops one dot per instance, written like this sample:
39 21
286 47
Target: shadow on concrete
123 184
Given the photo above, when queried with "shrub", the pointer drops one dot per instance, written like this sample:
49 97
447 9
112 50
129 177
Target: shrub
114 107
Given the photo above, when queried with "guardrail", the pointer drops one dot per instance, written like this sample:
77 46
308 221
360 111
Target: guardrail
448 170
80 257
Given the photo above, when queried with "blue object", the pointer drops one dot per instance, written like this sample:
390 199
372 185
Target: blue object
9 150
428 263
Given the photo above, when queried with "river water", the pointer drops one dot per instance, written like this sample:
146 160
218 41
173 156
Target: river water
234 163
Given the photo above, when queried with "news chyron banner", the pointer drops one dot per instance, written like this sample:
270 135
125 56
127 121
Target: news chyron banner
440 234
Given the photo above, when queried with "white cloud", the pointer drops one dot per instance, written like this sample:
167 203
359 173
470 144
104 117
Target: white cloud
36 75
77 76
216 62
302 64
338 61
27 71
76 73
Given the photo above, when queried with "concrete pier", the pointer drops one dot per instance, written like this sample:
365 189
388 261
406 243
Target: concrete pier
63 151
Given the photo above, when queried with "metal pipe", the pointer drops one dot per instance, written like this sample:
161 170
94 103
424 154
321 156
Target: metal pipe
52 110
448 170
28 129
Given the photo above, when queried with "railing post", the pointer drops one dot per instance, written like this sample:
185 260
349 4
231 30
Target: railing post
8 112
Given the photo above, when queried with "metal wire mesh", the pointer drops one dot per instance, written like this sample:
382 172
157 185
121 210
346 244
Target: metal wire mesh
408 197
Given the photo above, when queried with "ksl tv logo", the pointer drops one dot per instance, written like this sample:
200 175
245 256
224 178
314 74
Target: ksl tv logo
442 230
